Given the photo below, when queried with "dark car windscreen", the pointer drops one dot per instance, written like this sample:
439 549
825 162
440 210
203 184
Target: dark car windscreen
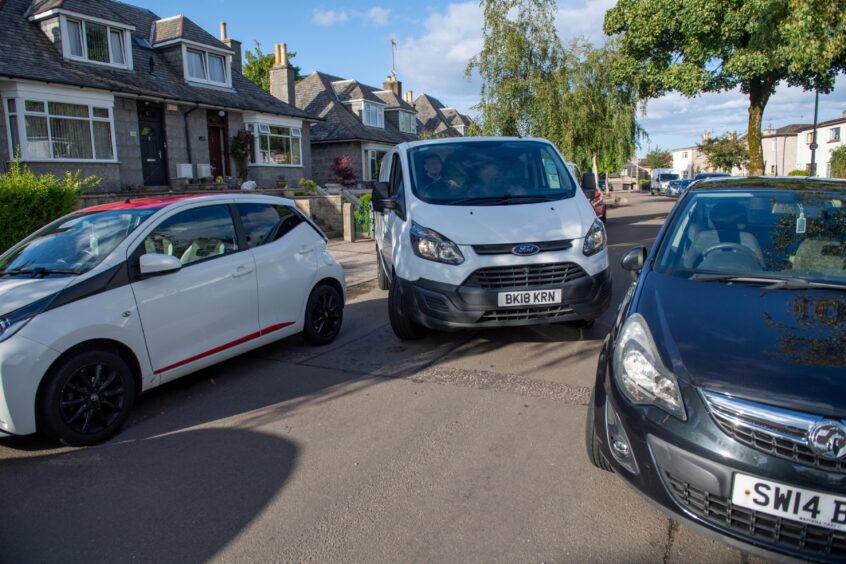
489 172
666 177
764 233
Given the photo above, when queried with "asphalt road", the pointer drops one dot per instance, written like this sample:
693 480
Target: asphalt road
461 447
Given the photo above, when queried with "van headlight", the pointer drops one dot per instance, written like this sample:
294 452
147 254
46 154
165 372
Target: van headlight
595 239
641 375
431 245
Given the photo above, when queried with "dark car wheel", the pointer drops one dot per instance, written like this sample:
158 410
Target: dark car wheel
381 276
404 327
594 453
324 315
87 398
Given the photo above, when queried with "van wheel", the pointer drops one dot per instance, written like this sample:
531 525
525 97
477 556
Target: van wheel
381 276
594 453
324 315
404 327
87 398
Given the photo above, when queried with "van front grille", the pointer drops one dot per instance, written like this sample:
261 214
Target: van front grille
525 276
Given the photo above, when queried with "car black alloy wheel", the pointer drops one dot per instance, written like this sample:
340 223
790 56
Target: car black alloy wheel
92 399
324 315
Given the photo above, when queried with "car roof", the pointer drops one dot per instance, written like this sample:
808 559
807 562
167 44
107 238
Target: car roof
157 203
769 183
447 140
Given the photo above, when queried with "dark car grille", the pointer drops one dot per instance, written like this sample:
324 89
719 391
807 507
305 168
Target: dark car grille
436 303
819 541
525 276
767 429
543 312
506 248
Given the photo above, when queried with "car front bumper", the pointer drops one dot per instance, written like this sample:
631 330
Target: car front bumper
23 364
687 468
445 306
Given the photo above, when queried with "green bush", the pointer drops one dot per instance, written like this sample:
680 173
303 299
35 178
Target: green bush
644 183
364 215
29 201
838 162
798 172
308 185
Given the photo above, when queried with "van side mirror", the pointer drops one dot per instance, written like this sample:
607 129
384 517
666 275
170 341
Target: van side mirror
155 264
381 192
588 182
634 259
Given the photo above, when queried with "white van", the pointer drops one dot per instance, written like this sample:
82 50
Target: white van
486 232
660 180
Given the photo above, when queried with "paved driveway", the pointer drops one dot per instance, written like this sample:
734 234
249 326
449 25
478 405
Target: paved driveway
461 447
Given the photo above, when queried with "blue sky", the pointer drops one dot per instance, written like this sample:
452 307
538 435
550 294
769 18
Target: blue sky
435 39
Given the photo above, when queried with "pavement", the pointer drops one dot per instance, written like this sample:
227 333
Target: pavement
358 260
460 447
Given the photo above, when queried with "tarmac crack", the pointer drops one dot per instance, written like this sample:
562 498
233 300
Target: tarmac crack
672 529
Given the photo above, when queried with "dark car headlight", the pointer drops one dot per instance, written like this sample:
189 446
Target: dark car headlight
431 245
595 239
641 375
16 320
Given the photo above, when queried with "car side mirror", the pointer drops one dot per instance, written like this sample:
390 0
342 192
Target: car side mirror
634 259
155 264
381 193
588 182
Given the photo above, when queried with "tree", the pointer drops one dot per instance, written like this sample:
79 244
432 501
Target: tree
518 66
838 162
657 158
725 152
343 169
701 46
258 64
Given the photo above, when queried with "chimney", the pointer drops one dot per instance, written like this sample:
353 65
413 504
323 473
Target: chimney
234 45
393 85
409 97
282 77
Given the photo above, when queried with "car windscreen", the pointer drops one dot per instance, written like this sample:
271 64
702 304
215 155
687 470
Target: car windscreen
72 245
666 177
797 234
490 172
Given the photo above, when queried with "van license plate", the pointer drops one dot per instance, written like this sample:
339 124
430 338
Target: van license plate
530 298
798 504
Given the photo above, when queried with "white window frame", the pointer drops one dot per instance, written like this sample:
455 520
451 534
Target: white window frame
21 113
205 51
411 121
835 136
126 37
379 114
365 157
254 126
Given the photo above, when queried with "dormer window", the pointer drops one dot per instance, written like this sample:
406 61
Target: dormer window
407 122
206 67
96 42
372 115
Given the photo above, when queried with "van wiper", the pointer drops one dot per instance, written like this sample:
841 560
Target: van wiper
504 198
38 272
769 282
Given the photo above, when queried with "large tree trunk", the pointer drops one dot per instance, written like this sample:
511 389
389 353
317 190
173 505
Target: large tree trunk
759 95
595 170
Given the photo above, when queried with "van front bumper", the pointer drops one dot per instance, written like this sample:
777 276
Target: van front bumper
445 306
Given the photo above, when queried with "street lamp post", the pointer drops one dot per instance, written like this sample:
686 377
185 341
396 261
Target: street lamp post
814 145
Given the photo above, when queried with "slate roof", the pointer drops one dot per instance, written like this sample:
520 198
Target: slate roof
835 121
36 58
454 117
180 27
392 101
788 130
318 93
431 119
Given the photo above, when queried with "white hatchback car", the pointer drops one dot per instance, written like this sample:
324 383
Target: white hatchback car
113 300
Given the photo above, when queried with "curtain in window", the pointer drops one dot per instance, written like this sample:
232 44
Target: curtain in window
217 68
98 45
71 138
280 150
70 110
295 151
103 140
196 65
38 142
75 38
116 39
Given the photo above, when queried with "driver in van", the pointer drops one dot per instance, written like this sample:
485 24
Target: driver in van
433 166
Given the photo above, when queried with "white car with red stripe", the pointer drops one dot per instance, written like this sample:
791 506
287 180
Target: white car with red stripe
110 301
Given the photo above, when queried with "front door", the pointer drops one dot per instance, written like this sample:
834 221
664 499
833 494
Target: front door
218 144
153 146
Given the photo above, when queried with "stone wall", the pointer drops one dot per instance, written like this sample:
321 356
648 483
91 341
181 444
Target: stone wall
325 210
323 154
177 142
128 143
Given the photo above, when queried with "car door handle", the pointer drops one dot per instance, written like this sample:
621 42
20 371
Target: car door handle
241 271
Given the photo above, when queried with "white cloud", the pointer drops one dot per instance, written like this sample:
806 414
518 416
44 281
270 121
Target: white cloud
583 19
376 16
328 17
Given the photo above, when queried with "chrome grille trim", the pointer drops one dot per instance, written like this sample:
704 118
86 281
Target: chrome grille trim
781 432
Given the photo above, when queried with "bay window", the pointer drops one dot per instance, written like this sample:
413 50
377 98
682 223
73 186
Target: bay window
204 66
96 42
407 122
276 145
55 130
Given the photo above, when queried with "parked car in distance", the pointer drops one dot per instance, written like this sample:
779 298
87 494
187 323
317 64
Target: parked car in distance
728 411
704 175
113 300
486 232
678 186
593 194
661 178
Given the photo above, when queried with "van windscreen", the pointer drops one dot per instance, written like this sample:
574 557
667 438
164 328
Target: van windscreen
490 172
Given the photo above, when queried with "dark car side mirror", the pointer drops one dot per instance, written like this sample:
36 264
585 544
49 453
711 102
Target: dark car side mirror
588 182
381 192
634 259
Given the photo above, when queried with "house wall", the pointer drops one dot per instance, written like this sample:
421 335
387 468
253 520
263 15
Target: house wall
53 31
128 145
323 154
824 149
177 142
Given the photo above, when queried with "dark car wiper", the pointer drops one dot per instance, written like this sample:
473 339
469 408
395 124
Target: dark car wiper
38 272
769 282
488 200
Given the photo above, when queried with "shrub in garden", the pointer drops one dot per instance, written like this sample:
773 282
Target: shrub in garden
29 201
343 169
644 183
798 172
363 214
